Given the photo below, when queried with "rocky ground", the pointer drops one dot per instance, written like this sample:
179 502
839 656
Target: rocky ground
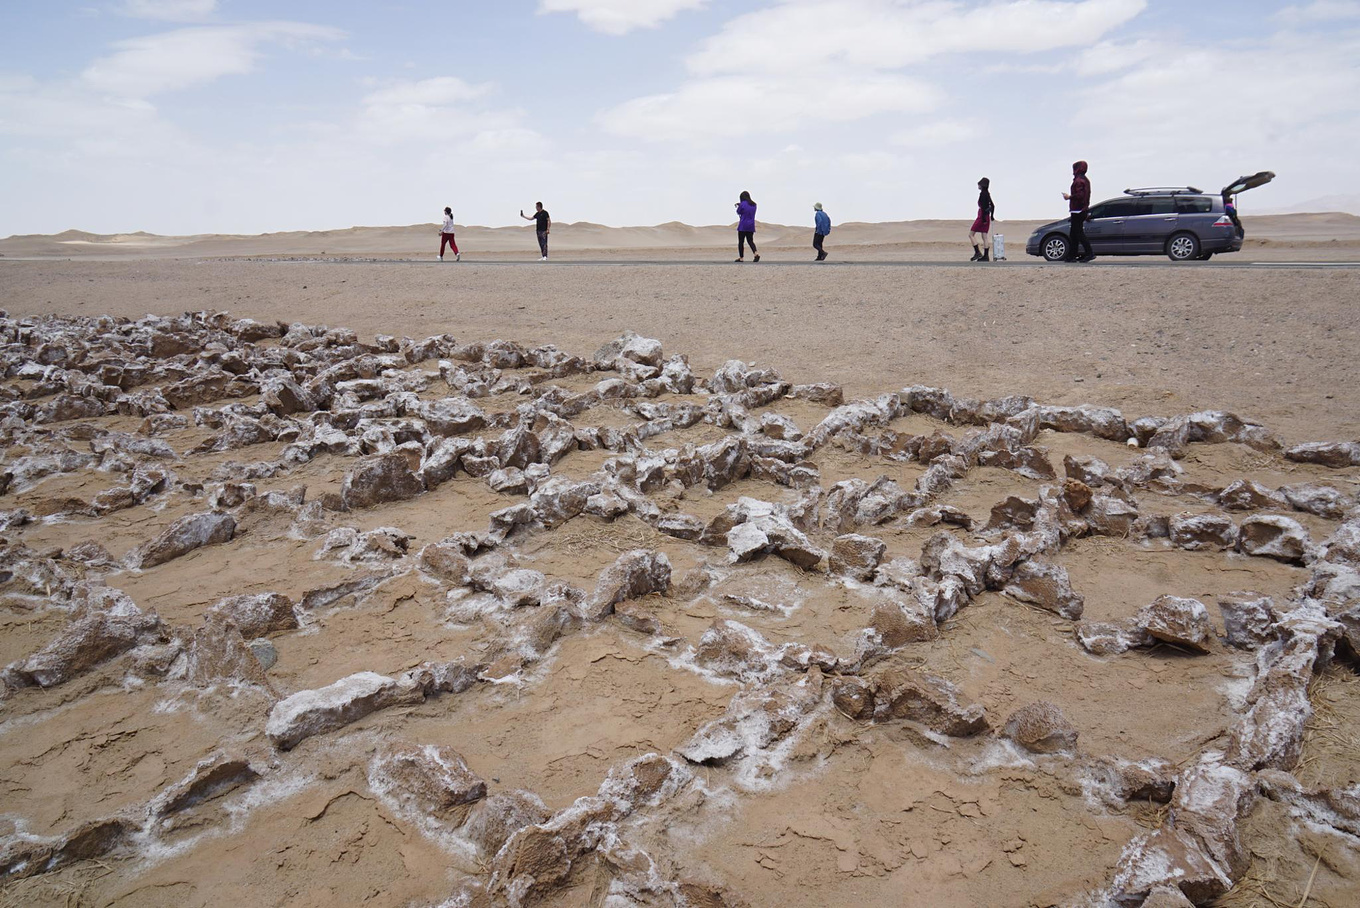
295 616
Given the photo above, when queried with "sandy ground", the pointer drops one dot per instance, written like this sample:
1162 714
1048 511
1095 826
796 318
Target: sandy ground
837 812
1310 237
1272 345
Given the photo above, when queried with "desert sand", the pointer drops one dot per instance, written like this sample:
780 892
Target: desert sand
1312 237
888 611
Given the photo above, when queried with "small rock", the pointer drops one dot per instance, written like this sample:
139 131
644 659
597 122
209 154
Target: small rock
1042 728
1183 622
857 556
1274 536
1248 619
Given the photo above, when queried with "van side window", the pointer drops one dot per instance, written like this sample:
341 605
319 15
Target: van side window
1162 205
1193 204
1118 208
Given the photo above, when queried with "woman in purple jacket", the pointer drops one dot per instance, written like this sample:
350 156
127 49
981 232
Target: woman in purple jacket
746 226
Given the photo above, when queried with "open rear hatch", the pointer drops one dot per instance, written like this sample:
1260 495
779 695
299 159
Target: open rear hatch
1242 184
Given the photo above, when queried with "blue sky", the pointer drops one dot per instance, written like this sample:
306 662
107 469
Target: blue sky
215 116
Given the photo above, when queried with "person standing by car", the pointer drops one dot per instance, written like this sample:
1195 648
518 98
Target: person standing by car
821 231
1078 206
542 226
981 231
446 237
746 226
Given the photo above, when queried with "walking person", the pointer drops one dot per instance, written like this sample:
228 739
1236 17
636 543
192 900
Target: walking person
821 231
746 226
980 234
1078 207
542 226
446 237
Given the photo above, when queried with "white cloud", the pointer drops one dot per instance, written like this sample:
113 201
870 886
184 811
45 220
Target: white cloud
1319 11
186 57
726 106
618 17
805 62
170 10
938 133
444 109
889 34
1112 56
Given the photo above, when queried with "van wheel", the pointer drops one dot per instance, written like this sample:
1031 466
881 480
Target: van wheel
1055 247
1182 247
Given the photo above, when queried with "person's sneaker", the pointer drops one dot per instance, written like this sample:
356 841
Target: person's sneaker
439 259
1087 258
544 259
738 261
757 257
458 256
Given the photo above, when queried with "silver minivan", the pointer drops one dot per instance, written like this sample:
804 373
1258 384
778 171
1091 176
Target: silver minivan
1181 222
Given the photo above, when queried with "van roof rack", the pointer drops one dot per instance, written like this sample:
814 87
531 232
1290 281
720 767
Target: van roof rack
1171 190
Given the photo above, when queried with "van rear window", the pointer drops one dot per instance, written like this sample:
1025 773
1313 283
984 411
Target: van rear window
1194 205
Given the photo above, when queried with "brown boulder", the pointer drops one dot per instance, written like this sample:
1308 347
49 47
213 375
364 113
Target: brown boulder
931 701
183 536
426 780
1183 622
854 697
857 556
1046 585
1042 728
379 479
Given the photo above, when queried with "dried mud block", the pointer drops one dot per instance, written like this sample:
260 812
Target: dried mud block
379 479
1110 638
1122 781
854 697
1274 536
733 649
25 856
1203 532
896 622
929 700
1338 808
218 652
426 780
1180 621
1046 585
85 643
1327 454
1324 501
1248 619
633 575
756 720
1041 728
1248 495
493 820
183 536
857 556
315 712
211 778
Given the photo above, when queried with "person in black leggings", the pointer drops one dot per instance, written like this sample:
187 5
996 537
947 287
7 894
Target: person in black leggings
746 226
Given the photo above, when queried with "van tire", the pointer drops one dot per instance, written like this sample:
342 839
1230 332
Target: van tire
1182 247
1055 247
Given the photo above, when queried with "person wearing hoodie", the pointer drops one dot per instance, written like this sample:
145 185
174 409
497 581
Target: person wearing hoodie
821 231
1079 206
746 226
980 234
446 237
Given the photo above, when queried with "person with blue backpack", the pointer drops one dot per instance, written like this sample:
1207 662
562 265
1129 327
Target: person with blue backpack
821 231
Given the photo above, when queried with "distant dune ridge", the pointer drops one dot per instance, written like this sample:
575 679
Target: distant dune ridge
684 240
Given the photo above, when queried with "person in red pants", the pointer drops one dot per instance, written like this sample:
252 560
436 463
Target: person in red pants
446 237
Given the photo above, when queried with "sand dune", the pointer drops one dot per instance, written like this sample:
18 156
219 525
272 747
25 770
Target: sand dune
901 238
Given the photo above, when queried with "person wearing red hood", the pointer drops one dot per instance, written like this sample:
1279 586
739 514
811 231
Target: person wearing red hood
1078 206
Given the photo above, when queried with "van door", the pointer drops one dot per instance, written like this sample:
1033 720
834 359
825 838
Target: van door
1103 225
1150 221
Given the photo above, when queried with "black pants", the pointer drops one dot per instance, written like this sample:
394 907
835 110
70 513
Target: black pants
744 237
543 242
817 240
1078 233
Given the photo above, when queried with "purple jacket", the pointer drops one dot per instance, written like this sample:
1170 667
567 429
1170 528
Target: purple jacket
746 217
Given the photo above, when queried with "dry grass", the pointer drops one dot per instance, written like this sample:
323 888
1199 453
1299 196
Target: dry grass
1331 738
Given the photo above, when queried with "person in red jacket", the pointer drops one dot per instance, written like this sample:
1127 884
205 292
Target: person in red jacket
1078 206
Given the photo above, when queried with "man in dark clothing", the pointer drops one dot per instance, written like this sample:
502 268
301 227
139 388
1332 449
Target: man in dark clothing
542 226
1078 206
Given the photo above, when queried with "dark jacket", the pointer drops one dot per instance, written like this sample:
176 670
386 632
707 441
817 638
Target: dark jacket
1081 189
985 206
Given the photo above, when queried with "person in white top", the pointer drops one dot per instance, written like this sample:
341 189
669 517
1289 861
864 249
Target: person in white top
446 237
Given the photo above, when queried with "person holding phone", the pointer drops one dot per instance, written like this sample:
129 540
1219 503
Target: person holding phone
746 226
542 226
1079 207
